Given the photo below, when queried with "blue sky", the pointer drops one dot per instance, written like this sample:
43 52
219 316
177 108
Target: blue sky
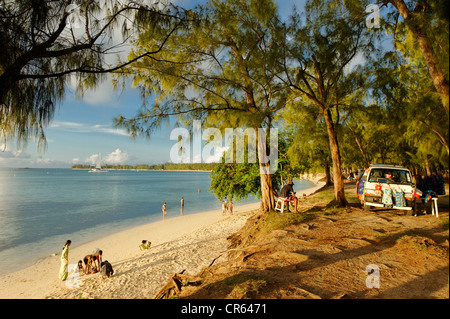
83 128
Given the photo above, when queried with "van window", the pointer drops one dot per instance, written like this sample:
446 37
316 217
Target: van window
390 176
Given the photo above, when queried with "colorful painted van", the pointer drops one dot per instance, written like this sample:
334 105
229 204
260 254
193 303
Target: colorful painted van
387 186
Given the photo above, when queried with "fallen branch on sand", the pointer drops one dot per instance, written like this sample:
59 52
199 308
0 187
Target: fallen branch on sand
230 250
176 282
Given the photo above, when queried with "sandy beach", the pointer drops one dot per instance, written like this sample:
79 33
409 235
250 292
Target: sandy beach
180 243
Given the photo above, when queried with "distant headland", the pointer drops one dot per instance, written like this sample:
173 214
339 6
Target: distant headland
155 167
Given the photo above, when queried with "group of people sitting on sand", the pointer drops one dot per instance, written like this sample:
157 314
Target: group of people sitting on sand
145 244
94 263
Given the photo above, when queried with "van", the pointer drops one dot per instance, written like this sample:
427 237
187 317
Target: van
387 186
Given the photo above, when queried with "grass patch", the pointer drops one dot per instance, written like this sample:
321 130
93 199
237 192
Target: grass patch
275 220
444 223
320 203
245 286
406 233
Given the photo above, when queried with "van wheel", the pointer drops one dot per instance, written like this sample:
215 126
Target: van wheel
366 207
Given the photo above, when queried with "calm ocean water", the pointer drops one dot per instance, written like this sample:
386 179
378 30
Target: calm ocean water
41 208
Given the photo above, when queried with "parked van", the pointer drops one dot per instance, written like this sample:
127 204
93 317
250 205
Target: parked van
387 186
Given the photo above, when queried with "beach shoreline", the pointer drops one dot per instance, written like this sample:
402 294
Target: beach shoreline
187 242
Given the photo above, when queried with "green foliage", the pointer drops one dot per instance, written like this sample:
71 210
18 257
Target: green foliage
236 181
239 180
50 45
220 70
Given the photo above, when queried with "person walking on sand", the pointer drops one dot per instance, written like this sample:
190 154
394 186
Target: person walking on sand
230 207
164 210
64 261
224 208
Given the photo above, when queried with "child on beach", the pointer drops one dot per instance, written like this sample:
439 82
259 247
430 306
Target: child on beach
79 269
145 245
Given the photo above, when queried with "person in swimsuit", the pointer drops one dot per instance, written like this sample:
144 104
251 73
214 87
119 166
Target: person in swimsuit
97 258
164 210
88 261
230 207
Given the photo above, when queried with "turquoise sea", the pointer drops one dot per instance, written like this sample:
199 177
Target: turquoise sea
41 208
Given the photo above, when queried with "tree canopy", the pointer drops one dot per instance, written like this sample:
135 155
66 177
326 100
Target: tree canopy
47 44
340 94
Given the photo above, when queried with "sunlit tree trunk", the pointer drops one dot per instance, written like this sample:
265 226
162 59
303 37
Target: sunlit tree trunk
336 158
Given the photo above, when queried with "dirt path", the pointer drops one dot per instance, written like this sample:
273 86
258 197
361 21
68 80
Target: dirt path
331 255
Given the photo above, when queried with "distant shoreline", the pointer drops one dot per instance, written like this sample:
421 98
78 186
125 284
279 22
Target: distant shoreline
145 169
153 167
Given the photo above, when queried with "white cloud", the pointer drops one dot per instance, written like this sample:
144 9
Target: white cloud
91 159
86 128
216 156
5 153
116 157
102 94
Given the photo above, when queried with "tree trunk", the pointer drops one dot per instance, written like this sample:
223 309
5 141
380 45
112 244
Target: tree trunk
427 167
327 173
418 29
326 166
436 73
358 142
267 199
336 158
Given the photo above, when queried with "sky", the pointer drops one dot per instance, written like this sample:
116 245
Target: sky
82 128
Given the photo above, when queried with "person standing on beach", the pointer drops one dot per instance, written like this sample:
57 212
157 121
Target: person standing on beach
182 205
230 207
164 210
64 261
224 208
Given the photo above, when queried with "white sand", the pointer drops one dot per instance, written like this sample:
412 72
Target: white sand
187 243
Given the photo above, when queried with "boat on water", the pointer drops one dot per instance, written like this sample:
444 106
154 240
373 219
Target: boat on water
98 166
